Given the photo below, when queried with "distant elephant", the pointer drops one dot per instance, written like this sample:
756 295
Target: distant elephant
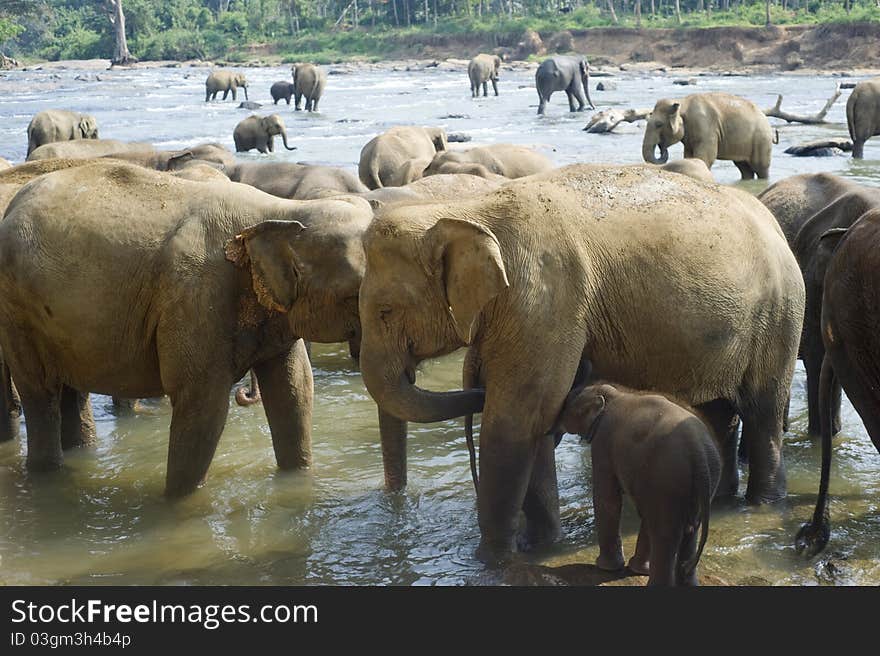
443 186
615 265
481 70
489 161
258 132
564 73
210 280
665 459
225 81
4 164
863 114
711 126
173 160
850 316
807 206
296 181
308 82
88 148
53 125
281 90
399 156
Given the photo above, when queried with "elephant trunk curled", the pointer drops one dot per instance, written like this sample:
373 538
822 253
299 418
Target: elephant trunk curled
648 153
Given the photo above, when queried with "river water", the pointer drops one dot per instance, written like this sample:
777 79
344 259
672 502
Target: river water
102 519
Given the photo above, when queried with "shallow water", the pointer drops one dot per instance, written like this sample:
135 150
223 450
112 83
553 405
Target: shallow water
102 518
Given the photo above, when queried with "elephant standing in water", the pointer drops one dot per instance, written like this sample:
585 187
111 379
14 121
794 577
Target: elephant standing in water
481 70
53 125
308 82
863 114
259 132
399 156
225 81
711 126
623 270
563 73
213 279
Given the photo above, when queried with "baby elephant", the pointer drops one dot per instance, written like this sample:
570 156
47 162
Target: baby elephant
665 459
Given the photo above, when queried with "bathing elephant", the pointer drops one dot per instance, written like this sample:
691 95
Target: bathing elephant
211 280
711 126
308 82
621 269
483 69
296 181
443 186
506 160
399 156
87 149
53 125
281 90
259 132
850 315
665 459
863 114
175 160
564 73
806 207
225 81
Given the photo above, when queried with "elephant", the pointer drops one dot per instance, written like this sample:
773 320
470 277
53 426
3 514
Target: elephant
225 81
213 279
308 82
258 132
850 303
399 156
281 90
863 114
506 160
52 125
694 168
174 160
711 126
296 181
481 70
443 186
5 164
88 148
623 270
661 455
807 206
564 73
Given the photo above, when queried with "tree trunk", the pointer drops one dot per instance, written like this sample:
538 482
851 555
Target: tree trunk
610 4
678 11
638 13
768 12
121 55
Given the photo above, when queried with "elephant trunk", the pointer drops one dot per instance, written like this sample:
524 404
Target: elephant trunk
648 153
284 139
245 93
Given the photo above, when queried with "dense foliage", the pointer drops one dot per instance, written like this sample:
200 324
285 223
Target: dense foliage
184 29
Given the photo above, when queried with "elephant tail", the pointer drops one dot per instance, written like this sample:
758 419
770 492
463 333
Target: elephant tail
250 396
704 505
373 180
775 136
850 119
32 142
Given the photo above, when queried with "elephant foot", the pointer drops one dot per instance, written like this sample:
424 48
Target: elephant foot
494 555
612 563
812 539
639 566
535 537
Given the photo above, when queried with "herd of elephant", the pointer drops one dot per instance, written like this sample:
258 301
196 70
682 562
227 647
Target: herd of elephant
644 307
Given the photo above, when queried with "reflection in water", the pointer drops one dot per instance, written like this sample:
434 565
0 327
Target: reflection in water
102 519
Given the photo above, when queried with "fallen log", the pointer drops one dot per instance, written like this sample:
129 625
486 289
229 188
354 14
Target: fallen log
607 120
812 119
821 148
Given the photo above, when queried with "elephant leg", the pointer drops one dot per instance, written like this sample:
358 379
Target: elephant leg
542 104
541 504
571 106
640 563
745 171
762 430
42 411
722 419
10 405
287 390
495 86
234 92
298 100
77 421
485 89
607 504
207 96
197 419
858 149
761 172
665 539
225 93
687 551
315 104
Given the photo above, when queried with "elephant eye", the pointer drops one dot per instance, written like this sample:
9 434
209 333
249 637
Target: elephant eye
384 314
658 124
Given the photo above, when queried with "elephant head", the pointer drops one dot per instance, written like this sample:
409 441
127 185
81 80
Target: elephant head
241 81
273 125
583 408
424 288
88 127
665 128
496 60
438 136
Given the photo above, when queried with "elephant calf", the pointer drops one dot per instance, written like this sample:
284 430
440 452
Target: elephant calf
281 90
490 161
54 125
663 456
482 69
863 114
258 132
399 156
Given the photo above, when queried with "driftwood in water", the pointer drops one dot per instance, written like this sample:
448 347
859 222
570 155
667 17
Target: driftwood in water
821 148
607 120
813 119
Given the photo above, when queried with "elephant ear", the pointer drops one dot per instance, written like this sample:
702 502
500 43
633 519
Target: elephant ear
584 66
268 248
467 258
86 126
673 109
180 158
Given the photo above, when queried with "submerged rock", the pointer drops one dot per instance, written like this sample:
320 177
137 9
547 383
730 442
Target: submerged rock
821 148
249 104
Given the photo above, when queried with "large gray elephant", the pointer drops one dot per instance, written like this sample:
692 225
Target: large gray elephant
308 82
259 132
506 160
88 148
564 73
212 279
711 126
622 269
399 156
53 125
296 181
481 70
225 81
863 114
